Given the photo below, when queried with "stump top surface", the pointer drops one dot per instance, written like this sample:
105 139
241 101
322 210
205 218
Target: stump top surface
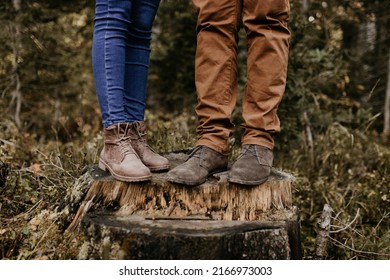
178 158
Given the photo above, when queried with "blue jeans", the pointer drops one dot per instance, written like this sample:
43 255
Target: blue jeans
120 57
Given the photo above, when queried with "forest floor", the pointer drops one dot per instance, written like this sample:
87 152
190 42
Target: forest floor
344 169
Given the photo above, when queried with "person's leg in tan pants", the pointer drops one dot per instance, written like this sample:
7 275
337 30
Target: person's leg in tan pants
265 22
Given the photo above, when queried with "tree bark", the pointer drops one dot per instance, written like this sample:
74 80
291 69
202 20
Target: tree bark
134 237
16 4
305 5
386 127
16 46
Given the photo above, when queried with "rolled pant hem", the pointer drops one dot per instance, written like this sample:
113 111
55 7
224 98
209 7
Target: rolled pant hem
260 142
225 151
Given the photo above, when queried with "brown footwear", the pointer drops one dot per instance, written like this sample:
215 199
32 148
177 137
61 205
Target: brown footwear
201 163
151 159
119 157
252 167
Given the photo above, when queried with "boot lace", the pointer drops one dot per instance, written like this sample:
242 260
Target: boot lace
140 136
196 153
249 149
124 142
125 145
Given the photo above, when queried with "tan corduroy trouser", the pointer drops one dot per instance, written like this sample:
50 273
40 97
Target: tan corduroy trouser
219 21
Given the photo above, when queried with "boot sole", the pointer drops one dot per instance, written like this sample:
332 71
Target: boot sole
159 168
184 182
194 183
105 167
247 183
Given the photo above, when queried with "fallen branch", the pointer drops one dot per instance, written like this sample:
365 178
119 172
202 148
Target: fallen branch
323 234
338 243
349 225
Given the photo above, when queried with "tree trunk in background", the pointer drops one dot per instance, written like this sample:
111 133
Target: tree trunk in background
305 5
16 4
382 66
386 127
14 30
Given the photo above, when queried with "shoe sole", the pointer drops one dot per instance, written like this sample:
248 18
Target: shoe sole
159 168
103 166
184 182
247 183
194 183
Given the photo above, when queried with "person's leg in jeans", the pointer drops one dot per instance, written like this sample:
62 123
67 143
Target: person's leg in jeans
120 56
138 57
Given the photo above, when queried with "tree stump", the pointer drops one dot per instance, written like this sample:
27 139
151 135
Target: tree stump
162 220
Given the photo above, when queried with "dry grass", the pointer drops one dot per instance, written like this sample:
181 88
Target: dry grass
351 173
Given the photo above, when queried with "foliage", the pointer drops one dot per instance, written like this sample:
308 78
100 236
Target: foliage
172 85
351 174
51 55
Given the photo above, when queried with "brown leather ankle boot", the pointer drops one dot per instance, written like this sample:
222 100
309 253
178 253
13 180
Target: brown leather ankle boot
151 159
201 163
119 157
252 167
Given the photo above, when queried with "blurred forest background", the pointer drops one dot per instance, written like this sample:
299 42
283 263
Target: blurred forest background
335 117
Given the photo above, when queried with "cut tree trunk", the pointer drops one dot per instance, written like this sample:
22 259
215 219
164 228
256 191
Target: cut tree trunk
163 220
386 123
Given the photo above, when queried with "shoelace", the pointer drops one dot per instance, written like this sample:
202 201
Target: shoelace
252 150
140 136
248 149
196 153
125 144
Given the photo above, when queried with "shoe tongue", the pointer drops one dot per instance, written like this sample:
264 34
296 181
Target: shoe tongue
195 153
122 129
141 127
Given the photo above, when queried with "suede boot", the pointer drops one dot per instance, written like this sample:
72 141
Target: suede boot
119 157
252 167
201 163
151 159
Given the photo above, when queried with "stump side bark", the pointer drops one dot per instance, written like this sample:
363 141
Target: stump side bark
136 238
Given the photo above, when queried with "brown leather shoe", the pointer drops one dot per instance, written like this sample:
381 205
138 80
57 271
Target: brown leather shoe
150 158
201 163
252 167
119 157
